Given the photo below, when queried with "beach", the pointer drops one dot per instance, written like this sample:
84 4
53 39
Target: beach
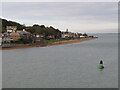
48 44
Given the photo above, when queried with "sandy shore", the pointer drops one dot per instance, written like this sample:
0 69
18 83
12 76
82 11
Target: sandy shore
49 44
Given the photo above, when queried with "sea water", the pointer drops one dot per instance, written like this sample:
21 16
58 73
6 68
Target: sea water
63 66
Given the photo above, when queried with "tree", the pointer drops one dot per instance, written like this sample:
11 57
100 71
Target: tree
35 29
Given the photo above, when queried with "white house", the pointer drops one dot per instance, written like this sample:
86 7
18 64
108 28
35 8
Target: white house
82 36
67 34
11 28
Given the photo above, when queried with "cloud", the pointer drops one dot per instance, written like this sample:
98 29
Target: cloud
71 15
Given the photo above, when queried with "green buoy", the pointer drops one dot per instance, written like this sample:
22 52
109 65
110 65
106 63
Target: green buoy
101 66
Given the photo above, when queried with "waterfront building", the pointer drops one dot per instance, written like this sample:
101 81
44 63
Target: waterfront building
71 35
38 37
85 35
24 34
67 34
11 28
0 39
50 37
5 38
14 36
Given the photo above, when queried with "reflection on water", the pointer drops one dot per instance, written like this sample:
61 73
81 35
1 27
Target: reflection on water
63 66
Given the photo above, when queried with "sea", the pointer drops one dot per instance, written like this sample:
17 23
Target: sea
63 66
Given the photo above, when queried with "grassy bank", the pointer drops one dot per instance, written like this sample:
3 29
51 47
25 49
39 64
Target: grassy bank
49 43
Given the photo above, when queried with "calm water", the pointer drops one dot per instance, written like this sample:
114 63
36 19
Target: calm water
63 66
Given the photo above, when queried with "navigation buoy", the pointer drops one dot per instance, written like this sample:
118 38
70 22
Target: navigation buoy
101 66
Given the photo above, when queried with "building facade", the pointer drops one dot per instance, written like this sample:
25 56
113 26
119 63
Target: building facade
11 28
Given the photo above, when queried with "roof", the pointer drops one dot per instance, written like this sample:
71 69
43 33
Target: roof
22 32
14 34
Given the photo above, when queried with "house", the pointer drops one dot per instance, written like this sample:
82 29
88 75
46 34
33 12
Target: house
67 34
50 37
11 34
79 35
0 39
75 36
14 36
6 38
82 36
11 28
85 35
38 37
71 35
24 34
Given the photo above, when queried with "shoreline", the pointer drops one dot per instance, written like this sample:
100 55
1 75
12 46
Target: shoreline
48 44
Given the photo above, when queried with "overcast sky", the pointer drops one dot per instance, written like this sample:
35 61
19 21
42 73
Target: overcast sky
87 17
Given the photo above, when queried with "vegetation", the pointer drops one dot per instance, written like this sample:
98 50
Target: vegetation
11 23
22 41
42 30
50 41
35 29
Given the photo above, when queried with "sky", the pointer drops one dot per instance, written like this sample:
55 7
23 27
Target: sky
90 17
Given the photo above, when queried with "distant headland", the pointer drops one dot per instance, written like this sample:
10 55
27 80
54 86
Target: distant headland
15 35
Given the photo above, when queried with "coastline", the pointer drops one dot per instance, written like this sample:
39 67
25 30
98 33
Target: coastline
48 44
